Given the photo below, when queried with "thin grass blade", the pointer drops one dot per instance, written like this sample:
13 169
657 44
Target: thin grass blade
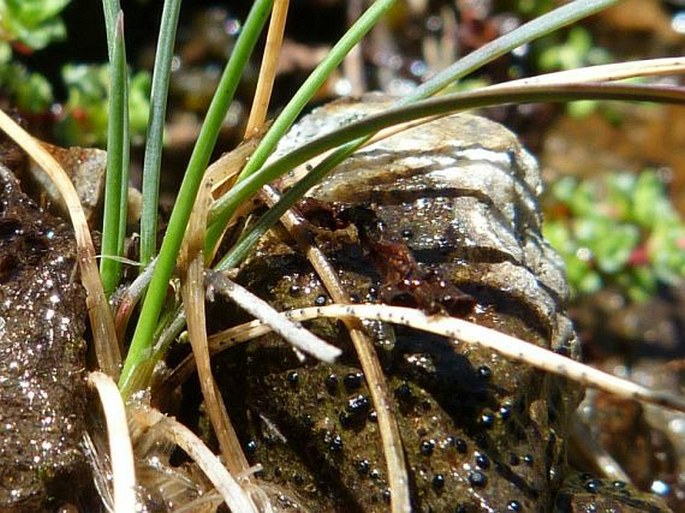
152 160
116 188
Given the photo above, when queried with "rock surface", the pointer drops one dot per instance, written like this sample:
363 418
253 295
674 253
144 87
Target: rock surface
42 357
446 209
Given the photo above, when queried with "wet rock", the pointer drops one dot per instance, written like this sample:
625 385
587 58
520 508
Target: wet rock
42 357
448 206
586 494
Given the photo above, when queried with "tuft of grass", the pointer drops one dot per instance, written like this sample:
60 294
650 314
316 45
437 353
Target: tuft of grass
210 217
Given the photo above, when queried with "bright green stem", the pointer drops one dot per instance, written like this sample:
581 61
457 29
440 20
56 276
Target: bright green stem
155 133
137 367
116 189
283 123
352 134
224 208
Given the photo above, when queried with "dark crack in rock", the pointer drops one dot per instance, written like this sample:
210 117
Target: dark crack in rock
445 218
42 357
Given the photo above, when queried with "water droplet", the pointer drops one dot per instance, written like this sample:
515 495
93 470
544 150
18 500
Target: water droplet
363 467
460 445
438 481
477 478
331 383
487 420
353 381
482 461
514 506
336 443
660 488
484 372
592 485
427 447
358 405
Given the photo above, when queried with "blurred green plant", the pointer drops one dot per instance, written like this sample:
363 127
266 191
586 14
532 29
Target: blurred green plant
30 92
25 26
576 51
84 120
620 231
32 23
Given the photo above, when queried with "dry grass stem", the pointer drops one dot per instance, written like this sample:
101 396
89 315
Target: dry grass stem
465 332
296 335
223 171
353 64
102 325
120 449
267 73
130 297
191 263
235 496
393 452
604 72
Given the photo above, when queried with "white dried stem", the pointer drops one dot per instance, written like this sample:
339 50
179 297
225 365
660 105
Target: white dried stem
120 448
294 334
604 72
236 498
462 331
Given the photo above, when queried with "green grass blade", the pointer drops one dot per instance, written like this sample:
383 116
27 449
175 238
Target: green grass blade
135 372
155 133
116 188
111 10
545 24
534 29
351 134
298 102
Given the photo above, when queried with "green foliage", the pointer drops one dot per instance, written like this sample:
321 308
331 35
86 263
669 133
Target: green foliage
35 23
28 25
85 112
531 7
621 231
31 92
576 51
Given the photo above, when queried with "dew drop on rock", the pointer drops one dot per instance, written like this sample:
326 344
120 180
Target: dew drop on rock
592 485
482 461
363 467
293 378
514 506
438 481
427 447
331 383
477 479
353 380
460 445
